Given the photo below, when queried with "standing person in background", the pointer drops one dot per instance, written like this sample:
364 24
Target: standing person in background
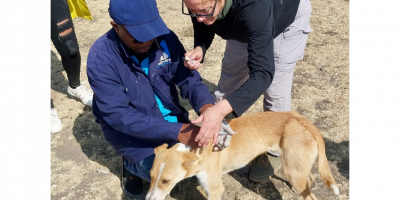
64 39
265 39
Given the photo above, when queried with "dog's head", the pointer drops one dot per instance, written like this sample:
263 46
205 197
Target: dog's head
169 167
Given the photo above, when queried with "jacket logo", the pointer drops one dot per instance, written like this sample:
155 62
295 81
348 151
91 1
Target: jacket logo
164 59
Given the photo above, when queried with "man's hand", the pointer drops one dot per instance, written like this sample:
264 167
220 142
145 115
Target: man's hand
224 136
187 134
211 118
196 55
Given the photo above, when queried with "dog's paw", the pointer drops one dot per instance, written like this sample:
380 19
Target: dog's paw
335 189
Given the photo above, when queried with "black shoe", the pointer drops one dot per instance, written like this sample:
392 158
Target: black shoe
131 185
265 167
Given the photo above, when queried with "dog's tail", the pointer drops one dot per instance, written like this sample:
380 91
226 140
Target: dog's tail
323 166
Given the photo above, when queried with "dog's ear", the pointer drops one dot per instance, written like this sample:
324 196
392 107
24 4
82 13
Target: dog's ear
189 159
160 148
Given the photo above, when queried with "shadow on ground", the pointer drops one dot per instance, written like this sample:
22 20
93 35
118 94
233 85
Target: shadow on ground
265 189
339 153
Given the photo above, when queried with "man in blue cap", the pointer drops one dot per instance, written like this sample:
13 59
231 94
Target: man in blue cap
133 70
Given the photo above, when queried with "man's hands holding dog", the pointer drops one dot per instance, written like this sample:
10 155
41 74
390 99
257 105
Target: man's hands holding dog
211 116
187 134
211 128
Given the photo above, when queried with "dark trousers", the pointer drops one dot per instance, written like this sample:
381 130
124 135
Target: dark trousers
67 45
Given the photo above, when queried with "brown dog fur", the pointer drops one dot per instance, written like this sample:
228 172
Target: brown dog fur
293 137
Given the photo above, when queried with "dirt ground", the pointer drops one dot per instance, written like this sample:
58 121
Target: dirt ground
85 166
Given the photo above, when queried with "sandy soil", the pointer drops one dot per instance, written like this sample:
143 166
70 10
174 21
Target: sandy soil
85 166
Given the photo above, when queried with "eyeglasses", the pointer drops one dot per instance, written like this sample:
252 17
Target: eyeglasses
133 39
198 15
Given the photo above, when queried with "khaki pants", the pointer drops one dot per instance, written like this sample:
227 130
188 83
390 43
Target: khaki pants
288 49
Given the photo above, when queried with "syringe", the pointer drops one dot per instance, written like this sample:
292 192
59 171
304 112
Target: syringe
190 60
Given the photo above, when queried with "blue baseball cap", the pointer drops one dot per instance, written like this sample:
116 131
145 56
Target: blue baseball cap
140 17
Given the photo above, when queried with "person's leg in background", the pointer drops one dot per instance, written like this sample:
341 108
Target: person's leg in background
234 70
278 96
56 124
64 39
288 49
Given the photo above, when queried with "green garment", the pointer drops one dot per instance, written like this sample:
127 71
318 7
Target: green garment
225 10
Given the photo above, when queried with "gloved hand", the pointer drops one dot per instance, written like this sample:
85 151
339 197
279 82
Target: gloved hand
224 137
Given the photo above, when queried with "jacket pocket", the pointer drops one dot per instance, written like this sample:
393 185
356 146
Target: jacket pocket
290 48
292 31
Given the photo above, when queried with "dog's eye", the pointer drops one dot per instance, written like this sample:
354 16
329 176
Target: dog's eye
165 181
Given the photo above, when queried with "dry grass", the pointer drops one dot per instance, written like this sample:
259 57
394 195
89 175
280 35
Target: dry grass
85 166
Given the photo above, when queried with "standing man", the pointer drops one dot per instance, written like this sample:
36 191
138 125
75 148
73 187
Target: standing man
133 70
265 39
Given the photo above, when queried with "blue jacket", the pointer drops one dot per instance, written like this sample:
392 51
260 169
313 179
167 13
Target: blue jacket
124 96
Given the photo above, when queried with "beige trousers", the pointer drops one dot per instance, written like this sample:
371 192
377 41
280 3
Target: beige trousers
288 49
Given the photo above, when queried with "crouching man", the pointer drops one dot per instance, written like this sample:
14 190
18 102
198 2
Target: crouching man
133 70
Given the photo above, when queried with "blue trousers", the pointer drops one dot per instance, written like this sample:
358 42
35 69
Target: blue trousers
142 169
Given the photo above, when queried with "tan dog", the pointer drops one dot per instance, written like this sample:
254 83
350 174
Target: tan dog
293 137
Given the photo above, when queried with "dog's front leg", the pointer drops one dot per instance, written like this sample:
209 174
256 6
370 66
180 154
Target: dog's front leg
211 181
216 188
